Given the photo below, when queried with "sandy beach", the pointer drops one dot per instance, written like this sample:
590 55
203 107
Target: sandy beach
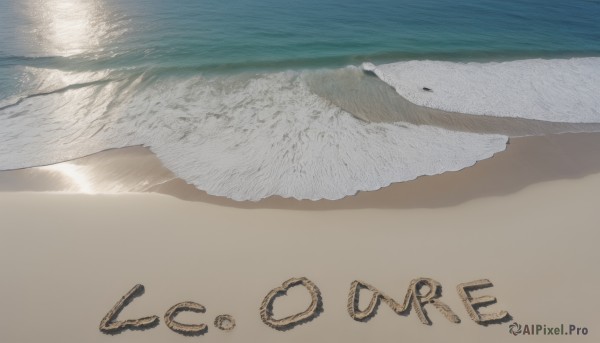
299 171
525 219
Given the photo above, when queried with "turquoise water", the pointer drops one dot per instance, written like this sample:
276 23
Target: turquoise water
229 36
221 35
250 98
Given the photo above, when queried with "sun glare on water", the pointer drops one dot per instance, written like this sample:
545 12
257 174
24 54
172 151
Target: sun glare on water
67 27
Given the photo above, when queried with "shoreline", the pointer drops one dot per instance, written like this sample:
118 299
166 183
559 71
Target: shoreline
526 161
272 172
309 144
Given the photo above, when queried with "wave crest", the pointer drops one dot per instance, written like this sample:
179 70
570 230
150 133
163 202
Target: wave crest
558 90
245 137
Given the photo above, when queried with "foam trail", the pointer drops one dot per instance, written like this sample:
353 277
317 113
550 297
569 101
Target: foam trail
287 141
245 137
558 90
366 97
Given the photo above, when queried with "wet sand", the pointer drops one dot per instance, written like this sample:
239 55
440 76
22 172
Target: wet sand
526 161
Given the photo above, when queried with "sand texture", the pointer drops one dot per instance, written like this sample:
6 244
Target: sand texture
476 255
66 259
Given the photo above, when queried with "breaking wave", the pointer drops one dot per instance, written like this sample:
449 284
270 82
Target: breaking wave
557 90
244 136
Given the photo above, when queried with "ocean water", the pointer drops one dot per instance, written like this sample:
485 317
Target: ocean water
253 98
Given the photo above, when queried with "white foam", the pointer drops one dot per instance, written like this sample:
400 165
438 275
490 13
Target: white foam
559 90
368 66
243 137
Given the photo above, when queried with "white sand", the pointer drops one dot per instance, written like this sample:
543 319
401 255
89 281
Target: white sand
66 259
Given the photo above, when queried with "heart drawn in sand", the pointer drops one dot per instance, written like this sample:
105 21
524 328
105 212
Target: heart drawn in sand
266 307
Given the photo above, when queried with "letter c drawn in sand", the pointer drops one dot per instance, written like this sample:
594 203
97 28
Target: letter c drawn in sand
185 329
313 310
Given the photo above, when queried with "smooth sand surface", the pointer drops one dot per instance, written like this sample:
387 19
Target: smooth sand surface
66 259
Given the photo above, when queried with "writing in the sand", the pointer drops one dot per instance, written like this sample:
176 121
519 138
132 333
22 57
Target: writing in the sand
420 293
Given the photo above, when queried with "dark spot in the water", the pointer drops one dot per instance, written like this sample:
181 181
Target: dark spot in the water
427 89
370 73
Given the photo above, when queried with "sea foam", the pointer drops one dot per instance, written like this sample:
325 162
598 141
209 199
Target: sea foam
558 90
245 137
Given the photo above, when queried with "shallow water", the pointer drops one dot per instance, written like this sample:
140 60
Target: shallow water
248 99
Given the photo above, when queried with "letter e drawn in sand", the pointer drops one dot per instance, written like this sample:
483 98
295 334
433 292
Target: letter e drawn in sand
110 325
313 310
412 298
472 303
185 329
